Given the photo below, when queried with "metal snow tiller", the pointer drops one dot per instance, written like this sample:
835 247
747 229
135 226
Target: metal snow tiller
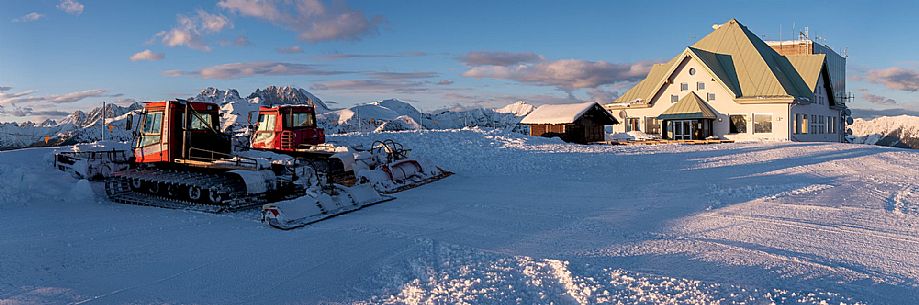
385 166
292 130
182 161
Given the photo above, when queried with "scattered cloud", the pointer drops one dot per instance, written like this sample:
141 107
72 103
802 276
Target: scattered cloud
497 100
445 82
213 23
71 7
241 41
190 31
7 98
4 89
403 75
337 56
565 74
241 70
401 86
313 20
147 55
474 59
601 95
30 17
29 111
291 50
903 79
878 100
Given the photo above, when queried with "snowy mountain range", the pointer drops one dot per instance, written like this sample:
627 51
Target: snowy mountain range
384 115
78 127
894 131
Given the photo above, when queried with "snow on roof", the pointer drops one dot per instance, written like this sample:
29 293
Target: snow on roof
557 113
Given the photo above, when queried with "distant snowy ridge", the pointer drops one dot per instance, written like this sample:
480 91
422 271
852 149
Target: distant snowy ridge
895 131
384 115
395 115
78 127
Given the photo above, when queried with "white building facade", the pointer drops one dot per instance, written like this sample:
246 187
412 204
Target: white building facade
731 85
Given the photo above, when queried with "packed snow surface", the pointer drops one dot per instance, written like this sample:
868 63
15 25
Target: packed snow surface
557 113
523 221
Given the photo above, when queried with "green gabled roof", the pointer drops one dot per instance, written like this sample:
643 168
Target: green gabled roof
739 59
761 71
690 106
809 67
646 88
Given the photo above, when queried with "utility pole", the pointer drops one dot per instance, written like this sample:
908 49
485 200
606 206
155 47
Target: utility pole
103 121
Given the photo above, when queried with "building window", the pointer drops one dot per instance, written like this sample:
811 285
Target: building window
762 123
674 98
652 126
738 123
700 86
813 123
797 123
710 97
823 128
804 127
692 71
831 125
684 87
632 124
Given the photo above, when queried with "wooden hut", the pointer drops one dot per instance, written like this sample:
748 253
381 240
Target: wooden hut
576 123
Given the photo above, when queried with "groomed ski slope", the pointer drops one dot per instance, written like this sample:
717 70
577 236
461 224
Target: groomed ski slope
523 221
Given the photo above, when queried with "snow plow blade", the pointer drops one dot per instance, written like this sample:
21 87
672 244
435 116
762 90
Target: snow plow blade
318 206
91 165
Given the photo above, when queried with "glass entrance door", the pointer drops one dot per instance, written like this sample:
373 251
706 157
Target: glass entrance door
683 130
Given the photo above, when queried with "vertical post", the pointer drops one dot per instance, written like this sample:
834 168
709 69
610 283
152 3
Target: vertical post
186 122
103 121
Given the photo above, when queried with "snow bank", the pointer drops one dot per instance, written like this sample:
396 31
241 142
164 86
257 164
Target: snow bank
631 136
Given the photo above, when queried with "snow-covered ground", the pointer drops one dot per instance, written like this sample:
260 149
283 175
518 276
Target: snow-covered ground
523 221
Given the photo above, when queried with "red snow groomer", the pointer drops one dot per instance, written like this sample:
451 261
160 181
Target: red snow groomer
181 160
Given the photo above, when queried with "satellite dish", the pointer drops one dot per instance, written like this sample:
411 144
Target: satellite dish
623 114
849 120
849 131
847 112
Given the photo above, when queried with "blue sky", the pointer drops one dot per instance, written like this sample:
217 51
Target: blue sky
61 55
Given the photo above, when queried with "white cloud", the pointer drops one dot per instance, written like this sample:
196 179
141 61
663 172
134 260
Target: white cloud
30 111
499 58
30 17
70 97
313 20
241 70
147 55
71 7
896 78
378 85
213 23
565 74
403 75
190 31
290 50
